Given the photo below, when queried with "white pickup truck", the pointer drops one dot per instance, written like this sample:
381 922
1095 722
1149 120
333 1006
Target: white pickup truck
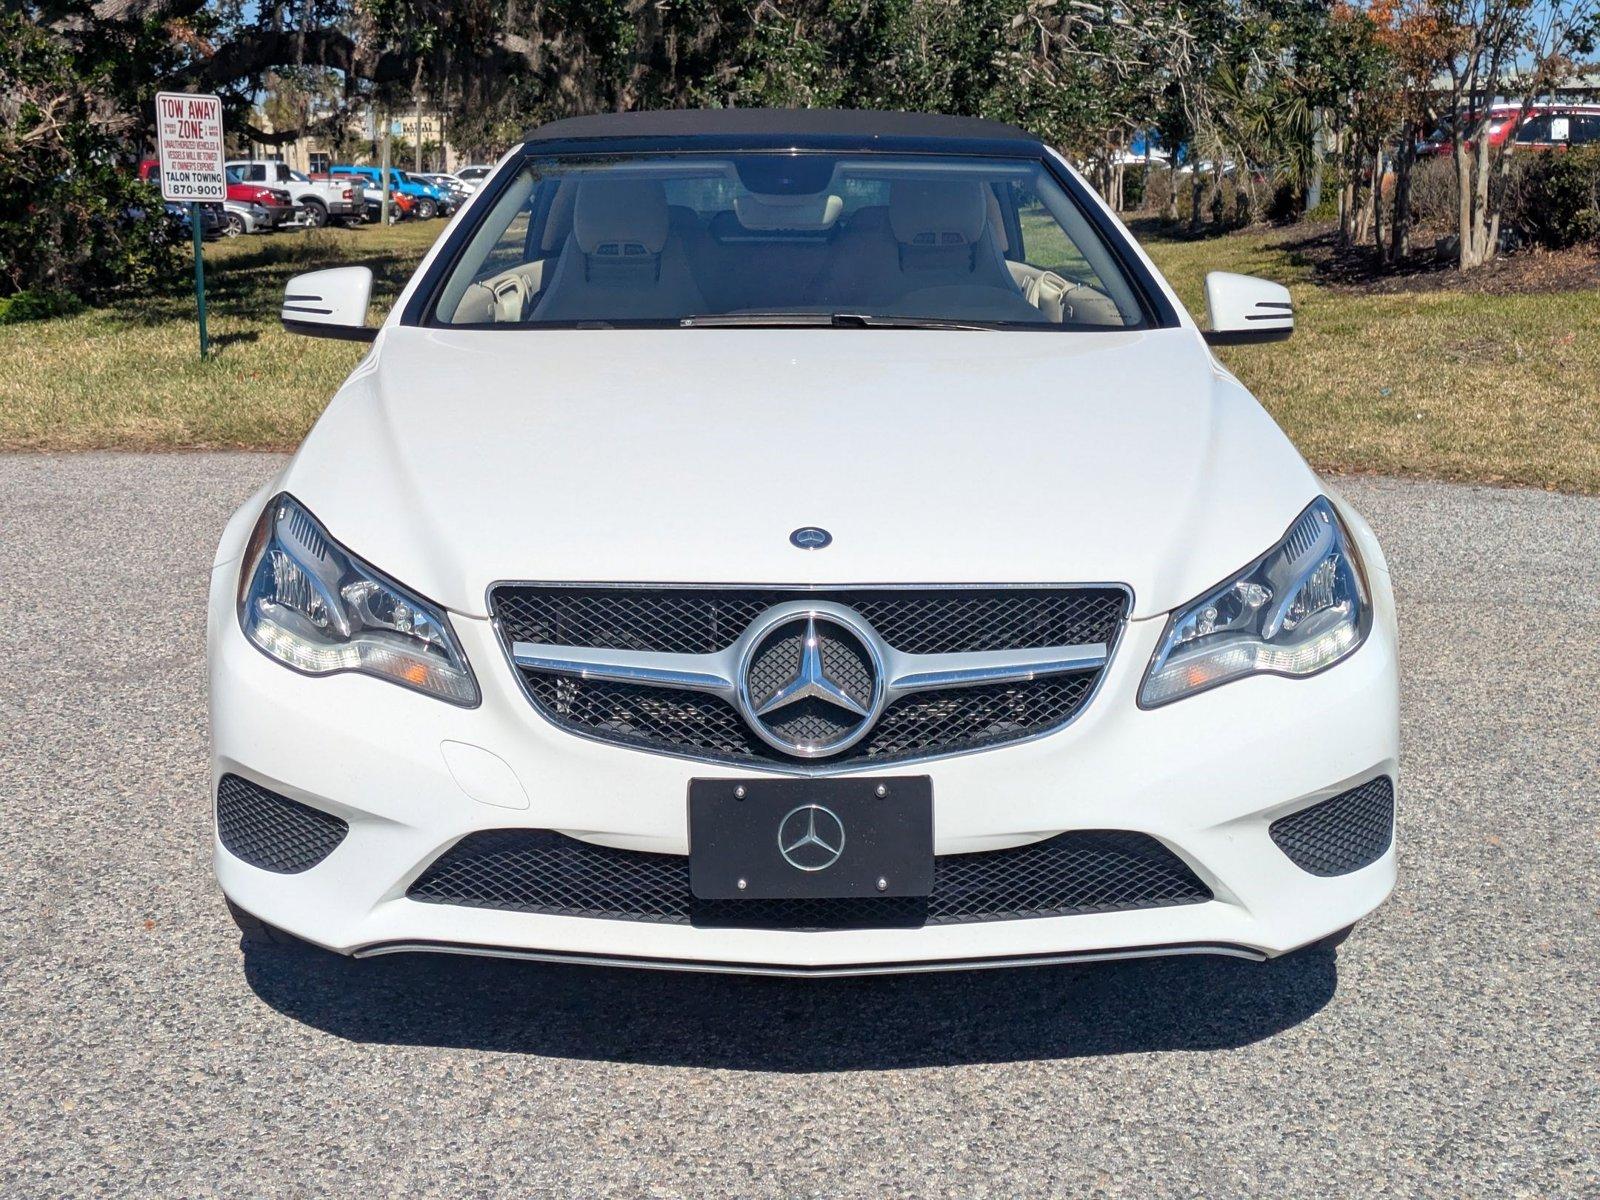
318 200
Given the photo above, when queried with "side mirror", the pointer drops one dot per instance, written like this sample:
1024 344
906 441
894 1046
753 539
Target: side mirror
331 304
1246 309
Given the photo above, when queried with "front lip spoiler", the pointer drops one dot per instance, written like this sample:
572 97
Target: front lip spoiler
829 971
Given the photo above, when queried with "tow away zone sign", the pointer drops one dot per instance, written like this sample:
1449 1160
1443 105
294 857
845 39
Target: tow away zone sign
189 145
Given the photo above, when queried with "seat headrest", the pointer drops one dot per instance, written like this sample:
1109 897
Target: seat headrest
815 211
620 217
935 214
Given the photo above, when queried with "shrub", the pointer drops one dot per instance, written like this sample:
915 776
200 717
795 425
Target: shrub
1433 193
1554 198
1327 208
37 306
1133 186
1157 188
1286 203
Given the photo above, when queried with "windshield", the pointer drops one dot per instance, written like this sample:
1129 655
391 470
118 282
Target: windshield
787 239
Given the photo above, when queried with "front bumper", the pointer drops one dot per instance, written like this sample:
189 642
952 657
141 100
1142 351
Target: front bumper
1205 776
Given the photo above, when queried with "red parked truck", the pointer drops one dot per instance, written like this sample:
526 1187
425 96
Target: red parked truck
319 199
1544 127
280 207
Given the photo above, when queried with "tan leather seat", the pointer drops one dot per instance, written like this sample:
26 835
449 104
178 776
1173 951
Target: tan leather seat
501 298
622 260
932 234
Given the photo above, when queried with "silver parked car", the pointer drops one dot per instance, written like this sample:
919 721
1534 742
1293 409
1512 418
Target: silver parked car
240 217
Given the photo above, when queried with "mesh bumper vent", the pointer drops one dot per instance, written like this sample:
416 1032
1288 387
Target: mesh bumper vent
1344 834
271 831
537 871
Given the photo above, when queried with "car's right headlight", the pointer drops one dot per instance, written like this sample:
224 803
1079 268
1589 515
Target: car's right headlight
309 603
1299 608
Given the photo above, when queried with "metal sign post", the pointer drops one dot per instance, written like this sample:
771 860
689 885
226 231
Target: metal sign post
199 277
189 147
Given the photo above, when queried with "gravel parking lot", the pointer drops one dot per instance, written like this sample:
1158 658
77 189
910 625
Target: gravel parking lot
1449 1048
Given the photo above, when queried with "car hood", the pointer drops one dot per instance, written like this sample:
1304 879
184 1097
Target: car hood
452 459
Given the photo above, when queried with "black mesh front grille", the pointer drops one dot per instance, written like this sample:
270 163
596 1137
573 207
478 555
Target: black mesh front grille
941 722
646 717
536 871
919 726
706 620
1344 834
271 831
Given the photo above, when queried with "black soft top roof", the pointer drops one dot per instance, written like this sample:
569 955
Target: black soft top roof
765 124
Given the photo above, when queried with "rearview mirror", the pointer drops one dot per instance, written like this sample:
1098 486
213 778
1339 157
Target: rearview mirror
1246 309
330 304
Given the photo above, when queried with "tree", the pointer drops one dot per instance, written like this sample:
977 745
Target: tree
74 219
1346 69
1496 48
1417 43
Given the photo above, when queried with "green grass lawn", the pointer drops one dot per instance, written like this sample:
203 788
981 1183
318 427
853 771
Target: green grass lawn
1456 385
1448 384
130 375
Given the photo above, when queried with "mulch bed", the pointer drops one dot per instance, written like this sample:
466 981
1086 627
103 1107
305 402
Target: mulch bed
1524 272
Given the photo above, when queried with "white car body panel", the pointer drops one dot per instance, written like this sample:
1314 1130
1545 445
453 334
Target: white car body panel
453 459
375 755
942 477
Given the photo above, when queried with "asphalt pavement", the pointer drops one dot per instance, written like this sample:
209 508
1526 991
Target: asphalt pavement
1450 1047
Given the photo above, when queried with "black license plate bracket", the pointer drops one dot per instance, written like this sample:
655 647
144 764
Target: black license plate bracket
790 839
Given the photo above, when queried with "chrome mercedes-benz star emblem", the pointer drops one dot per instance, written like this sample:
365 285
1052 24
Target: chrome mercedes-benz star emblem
811 838
810 537
811 682
810 678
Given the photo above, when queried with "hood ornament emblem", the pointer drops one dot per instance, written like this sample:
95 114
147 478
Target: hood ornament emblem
810 537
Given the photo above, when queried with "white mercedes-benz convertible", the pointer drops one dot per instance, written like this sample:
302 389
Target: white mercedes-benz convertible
798 542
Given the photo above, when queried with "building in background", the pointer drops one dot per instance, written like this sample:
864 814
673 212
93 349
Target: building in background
417 141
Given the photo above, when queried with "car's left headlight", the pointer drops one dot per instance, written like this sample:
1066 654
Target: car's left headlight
1297 609
312 605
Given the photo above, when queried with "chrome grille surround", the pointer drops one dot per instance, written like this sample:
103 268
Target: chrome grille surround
667 667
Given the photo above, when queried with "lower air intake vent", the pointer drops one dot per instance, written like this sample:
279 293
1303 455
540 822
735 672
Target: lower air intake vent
536 871
1337 836
271 831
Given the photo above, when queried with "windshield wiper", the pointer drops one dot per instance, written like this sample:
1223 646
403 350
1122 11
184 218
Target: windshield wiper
838 320
772 319
879 321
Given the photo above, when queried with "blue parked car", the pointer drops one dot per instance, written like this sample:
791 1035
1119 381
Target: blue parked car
431 201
